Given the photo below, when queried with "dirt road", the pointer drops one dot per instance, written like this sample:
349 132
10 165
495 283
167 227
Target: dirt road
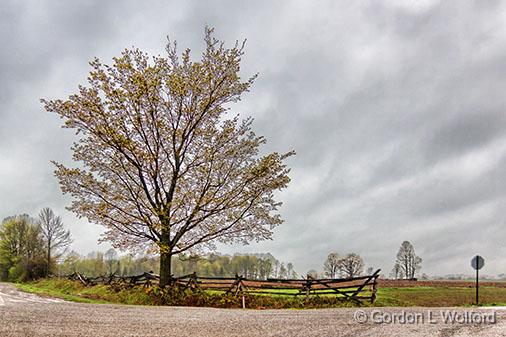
28 315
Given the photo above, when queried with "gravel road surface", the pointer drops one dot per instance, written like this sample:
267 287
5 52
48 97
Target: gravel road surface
29 315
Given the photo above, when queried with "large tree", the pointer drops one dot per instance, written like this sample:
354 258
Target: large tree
407 261
56 238
162 163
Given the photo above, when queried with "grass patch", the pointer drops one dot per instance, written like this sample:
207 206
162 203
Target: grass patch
439 296
76 292
59 289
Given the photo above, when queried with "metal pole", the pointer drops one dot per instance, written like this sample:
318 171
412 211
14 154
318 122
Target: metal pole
477 298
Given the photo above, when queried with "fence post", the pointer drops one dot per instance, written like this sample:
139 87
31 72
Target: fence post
308 286
192 282
374 287
240 289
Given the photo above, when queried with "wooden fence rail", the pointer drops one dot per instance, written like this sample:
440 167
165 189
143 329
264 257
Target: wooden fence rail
356 289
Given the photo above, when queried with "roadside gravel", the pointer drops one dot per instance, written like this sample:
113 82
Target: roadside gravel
29 315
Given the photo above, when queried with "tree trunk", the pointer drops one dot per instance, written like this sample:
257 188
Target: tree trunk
48 271
48 264
165 267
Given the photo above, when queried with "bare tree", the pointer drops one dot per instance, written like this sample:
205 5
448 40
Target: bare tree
163 166
56 238
111 261
283 273
276 269
409 263
291 274
351 265
331 265
396 272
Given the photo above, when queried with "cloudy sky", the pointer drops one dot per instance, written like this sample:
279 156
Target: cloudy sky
396 110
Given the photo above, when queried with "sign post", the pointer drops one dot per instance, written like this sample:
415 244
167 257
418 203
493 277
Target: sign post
477 263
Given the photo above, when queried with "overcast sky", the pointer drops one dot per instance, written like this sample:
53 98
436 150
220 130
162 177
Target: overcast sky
396 110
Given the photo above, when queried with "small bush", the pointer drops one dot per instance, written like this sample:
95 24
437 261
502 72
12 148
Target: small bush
181 297
26 270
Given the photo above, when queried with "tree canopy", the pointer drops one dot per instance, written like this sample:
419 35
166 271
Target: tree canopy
21 249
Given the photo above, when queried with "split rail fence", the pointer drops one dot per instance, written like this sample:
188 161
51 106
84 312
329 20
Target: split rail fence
356 289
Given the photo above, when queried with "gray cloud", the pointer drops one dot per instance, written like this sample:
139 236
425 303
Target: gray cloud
396 113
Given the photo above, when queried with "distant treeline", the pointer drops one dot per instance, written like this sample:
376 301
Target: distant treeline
254 266
32 248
